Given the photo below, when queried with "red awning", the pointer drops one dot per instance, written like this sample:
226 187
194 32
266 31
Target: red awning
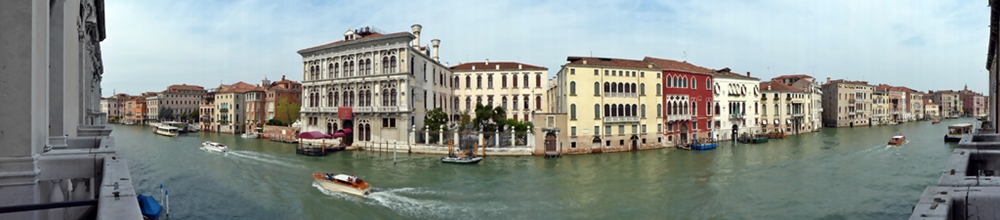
339 134
314 135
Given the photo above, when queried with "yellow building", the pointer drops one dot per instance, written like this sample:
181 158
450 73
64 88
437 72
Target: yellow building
783 108
611 105
880 107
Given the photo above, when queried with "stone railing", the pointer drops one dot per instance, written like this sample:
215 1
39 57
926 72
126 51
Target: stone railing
620 95
329 109
365 109
621 119
387 108
800 114
683 117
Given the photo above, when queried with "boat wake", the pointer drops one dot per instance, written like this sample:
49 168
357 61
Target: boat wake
403 201
264 158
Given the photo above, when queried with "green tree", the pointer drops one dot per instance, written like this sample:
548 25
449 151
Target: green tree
289 108
436 119
194 116
487 117
165 114
464 121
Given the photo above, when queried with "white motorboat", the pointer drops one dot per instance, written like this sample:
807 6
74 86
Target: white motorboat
166 130
213 146
249 135
342 183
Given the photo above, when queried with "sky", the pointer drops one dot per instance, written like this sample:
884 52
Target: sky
924 45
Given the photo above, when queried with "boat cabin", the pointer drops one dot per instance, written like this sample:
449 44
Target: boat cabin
960 129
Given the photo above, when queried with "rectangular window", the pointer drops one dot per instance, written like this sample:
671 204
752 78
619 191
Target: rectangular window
392 122
572 131
694 125
606 72
621 129
635 129
597 130
385 122
670 127
572 144
643 128
572 71
596 72
659 128
607 130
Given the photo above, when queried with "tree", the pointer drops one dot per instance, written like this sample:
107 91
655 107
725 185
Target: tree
487 117
194 116
436 119
290 109
464 120
165 114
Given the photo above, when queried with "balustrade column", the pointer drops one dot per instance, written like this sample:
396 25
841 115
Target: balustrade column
427 134
441 136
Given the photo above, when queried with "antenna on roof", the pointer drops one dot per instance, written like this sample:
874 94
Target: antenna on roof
685 57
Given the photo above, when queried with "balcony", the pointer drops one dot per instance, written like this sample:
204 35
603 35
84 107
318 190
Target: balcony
673 118
800 114
735 116
387 108
366 109
622 119
620 95
851 101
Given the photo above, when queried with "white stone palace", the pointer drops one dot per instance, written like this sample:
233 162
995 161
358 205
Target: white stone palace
373 86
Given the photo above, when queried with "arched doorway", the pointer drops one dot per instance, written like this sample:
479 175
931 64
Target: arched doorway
550 142
329 128
735 132
684 133
635 142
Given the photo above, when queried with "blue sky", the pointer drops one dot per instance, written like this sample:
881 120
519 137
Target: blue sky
925 45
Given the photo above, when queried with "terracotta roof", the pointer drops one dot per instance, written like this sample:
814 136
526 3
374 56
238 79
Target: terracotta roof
504 66
612 62
679 66
366 37
861 83
184 87
239 87
777 86
727 72
793 76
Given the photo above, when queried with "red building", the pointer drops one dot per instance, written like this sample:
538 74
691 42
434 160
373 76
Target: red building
687 97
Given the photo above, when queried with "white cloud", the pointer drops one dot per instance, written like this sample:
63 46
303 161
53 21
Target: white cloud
920 44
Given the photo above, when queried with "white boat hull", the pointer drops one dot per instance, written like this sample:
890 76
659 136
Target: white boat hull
249 136
166 133
341 188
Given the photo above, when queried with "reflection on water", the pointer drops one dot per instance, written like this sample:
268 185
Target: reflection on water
836 173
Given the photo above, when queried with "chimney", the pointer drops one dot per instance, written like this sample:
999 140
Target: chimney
487 62
748 73
473 67
584 62
435 43
416 32
519 66
498 66
282 77
827 80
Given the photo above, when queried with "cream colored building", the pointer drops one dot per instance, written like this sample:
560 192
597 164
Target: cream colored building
916 105
738 97
612 104
153 105
182 99
783 108
814 92
517 87
880 107
847 103
230 107
931 109
374 86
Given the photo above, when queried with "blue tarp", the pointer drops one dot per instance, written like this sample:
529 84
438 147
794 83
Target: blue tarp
150 208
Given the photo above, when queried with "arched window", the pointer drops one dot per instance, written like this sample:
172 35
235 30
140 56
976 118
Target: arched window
368 66
538 103
607 87
329 99
479 82
368 132
670 81
385 65
503 102
572 88
788 108
642 111
385 97
658 90
708 84
621 87
336 99
597 110
659 110
329 70
694 108
468 103
392 97
572 111
597 88
694 83
621 110
514 80
670 110
468 82
708 108
503 81
642 89
776 110
538 80
392 65
686 110
632 88
527 103
614 111
635 110
526 85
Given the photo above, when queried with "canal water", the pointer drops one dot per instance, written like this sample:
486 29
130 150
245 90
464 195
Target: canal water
844 173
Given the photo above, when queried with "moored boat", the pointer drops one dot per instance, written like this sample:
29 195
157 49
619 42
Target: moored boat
897 140
703 145
249 135
461 160
342 183
166 130
956 131
216 147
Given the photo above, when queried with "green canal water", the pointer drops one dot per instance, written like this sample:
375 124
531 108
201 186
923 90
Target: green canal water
845 173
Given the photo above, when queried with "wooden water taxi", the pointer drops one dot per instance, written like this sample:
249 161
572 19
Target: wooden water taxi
897 140
350 184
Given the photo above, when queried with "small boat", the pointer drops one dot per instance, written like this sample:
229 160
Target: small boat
249 135
461 160
897 140
166 130
342 183
956 131
936 122
216 147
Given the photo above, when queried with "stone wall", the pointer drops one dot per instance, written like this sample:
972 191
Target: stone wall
280 133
